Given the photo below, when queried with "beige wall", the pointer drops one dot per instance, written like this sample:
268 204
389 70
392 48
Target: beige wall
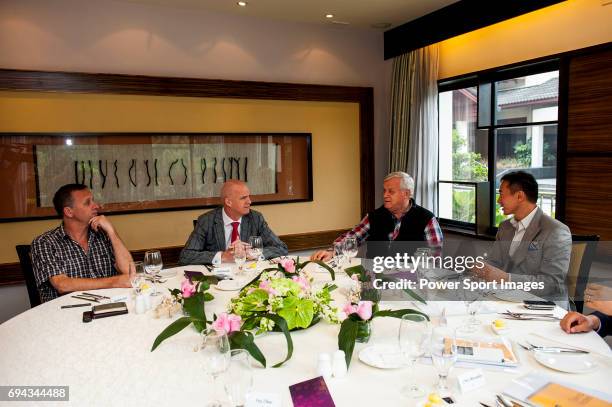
335 151
566 26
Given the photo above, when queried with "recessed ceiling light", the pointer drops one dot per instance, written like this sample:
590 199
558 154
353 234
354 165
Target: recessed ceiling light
242 3
329 16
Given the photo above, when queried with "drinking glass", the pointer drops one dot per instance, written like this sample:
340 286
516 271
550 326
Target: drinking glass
153 265
339 254
256 250
413 335
137 275
350 248
240 256
216 352
239 377
472 306
443 354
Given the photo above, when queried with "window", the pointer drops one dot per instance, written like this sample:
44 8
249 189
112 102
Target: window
491 124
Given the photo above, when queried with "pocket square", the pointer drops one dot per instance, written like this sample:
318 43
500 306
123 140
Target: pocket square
533 246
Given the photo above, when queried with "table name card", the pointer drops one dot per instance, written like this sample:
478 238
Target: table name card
256 399
471 380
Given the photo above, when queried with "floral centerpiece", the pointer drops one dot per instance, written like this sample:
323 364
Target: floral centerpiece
281 298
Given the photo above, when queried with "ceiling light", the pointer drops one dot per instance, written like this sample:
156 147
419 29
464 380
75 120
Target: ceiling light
329 16
242 3
68 142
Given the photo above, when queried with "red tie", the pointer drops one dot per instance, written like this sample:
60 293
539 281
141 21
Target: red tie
235 235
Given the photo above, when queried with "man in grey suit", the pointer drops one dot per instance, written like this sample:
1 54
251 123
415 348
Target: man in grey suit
219 231
531 247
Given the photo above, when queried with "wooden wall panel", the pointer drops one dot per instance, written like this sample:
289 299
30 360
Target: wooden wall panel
590 103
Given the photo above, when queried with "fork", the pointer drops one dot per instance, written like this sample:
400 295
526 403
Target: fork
553 349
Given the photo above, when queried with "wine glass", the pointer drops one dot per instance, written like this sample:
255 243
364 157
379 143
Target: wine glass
239 377
339 254
240 256
153 265
137 276
443 354
216 352
413 335
256 244
350 248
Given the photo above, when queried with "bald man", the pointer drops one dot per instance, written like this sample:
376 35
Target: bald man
217 232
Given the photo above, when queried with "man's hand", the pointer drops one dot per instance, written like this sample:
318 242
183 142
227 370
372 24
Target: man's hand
599 298
102 222
322 255
228 255
490 273
574 322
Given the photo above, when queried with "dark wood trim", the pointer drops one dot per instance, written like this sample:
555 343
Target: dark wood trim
455 19
10 273
79 82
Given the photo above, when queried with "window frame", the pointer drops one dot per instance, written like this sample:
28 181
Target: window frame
491 77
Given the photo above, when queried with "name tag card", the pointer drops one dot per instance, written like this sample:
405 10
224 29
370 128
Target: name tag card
471 380
255 399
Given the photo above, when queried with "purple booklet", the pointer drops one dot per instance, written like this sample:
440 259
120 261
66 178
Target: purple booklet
311 393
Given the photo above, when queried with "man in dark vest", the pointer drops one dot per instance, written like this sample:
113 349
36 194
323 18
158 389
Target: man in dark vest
399 219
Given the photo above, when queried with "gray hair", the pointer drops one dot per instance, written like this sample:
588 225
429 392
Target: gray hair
406 181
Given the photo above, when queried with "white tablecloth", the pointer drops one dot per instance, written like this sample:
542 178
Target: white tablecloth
108 361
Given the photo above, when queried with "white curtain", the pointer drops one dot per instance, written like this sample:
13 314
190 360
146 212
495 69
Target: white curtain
414 121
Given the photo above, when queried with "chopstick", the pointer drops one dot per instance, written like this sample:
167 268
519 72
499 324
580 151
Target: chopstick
84 298
96 296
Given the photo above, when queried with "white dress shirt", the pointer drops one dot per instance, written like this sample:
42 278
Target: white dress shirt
520 226
227 228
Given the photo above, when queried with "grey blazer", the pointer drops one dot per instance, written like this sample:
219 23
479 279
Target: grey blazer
543 255
208 237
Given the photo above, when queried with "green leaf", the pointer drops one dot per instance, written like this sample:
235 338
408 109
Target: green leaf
322 264
282 325
298 312
256 301
246 340
359 270
398 313
172 329
346 338
194 306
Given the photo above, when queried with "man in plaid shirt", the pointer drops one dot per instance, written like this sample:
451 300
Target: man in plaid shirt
399 219
83 253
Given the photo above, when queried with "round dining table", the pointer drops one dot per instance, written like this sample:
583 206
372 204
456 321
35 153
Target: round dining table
109 362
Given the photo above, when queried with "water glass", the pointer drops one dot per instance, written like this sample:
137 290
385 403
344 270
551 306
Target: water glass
413 336
137 276
153 265
443 354
216 353
239 377
350 248
339 254
256 250
240 256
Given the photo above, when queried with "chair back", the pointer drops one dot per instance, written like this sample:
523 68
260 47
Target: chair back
583 252
25 260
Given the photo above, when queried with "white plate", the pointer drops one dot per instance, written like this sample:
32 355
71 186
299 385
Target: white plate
382 356
566 362
228 285
168 273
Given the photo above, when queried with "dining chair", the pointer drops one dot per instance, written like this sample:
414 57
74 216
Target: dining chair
25 260
583 252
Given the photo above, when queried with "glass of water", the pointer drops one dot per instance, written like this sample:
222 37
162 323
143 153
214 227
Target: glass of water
443 354
256 250
216 353
413 335
153 265
350 248
137 276
240 256
239 377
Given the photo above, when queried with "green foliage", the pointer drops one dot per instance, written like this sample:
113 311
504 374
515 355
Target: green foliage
467 165
464 205
298 312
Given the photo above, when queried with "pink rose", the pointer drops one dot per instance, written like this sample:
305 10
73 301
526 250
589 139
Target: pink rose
302 281
228 323
288 265
187 288
364 310
266 286
349 309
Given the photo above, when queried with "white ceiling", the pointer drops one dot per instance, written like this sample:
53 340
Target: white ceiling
357 13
